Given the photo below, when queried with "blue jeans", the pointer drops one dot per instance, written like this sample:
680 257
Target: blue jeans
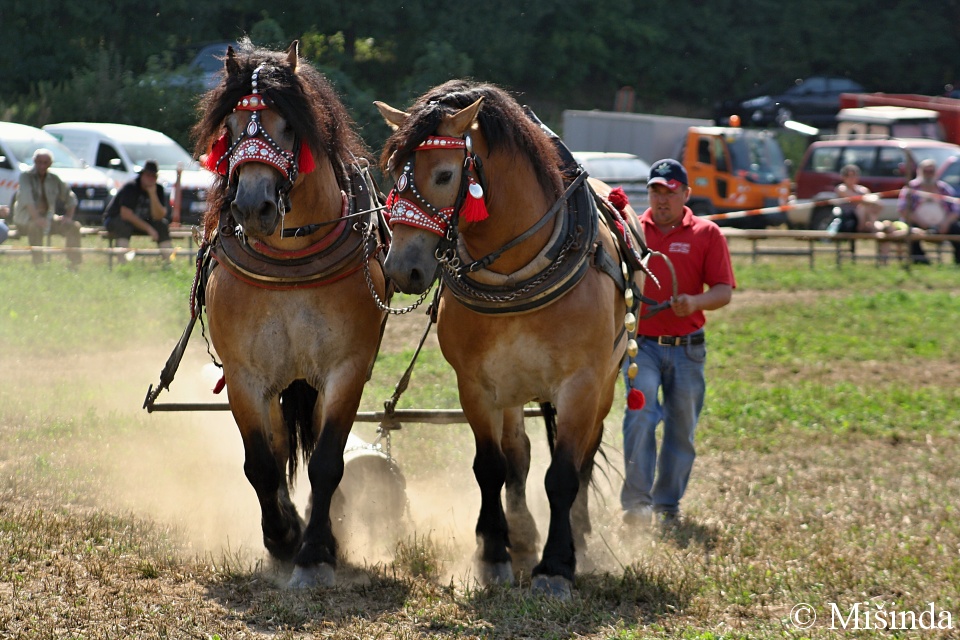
652 480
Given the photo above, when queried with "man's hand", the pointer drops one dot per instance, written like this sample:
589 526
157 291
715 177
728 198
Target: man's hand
683 305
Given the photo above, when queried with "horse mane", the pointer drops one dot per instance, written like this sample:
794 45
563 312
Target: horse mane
504 125
306 100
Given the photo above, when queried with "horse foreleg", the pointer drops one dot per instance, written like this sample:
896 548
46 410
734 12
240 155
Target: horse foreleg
524 538
279 520
490 469
317 559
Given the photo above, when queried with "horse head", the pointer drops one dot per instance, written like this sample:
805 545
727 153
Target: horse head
272 120
428 194
464 152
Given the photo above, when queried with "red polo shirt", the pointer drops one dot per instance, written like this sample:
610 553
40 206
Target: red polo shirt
700 257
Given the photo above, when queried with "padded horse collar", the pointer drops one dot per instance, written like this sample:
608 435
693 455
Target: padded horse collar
339 254
567 255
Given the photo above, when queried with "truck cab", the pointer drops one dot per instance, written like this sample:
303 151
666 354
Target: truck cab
734 169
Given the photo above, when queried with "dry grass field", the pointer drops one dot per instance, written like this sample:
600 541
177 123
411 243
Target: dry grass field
828 476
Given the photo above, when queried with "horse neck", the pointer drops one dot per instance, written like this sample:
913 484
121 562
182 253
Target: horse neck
316 197
515 201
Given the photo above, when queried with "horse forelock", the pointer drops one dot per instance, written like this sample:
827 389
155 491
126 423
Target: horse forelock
305 99
502 122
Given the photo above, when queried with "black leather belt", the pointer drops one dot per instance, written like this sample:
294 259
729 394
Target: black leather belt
677 341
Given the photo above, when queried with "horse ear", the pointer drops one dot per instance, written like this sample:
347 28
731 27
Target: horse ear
462 120
394 117
293 55
230 62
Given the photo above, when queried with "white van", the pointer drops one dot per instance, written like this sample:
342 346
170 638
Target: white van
119 150
17 144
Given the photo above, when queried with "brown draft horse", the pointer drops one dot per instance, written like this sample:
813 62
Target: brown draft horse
535 320
289 304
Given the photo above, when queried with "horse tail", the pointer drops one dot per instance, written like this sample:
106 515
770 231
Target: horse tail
550 422
297 403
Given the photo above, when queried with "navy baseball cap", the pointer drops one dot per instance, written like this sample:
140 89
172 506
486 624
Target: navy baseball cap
150 166
668 172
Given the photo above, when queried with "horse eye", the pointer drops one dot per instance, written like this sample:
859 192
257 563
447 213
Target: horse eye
444 177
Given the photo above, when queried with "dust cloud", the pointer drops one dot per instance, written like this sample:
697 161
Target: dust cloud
184 471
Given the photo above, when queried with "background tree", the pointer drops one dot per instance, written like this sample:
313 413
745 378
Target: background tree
124 60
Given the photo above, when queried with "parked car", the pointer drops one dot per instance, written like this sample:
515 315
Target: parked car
814 101
17 144
209 63
618 170
886 164
120 150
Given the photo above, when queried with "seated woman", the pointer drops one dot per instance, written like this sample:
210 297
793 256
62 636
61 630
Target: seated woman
861 211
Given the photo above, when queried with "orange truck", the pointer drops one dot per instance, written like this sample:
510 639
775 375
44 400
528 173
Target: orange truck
948 109
730 169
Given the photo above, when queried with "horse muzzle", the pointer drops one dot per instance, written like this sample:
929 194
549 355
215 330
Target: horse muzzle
255 206
411 261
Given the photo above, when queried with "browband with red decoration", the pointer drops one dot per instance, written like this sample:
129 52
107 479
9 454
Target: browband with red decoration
441 142
256 145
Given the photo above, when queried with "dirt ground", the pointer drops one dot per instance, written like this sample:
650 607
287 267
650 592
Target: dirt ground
184 471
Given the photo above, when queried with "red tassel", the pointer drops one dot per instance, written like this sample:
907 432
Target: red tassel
635 400
306 163
618 198
217 151
474 208
221 383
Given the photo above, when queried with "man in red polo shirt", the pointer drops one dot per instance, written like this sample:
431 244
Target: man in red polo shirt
671 350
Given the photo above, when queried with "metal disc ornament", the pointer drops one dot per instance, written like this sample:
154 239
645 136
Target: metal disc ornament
476 190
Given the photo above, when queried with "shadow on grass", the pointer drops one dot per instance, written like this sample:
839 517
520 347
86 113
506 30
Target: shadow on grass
261 599
690 533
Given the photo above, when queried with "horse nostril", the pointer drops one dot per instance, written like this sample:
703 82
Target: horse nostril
266 210
416 281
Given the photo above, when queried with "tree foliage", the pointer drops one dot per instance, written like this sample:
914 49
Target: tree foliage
95 60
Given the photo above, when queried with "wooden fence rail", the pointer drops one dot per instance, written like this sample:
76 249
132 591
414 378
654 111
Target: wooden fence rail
784 242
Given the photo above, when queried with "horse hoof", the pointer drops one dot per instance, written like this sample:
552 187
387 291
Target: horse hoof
553 586
321 575
491 574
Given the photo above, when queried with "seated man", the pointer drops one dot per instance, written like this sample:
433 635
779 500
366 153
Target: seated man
138 208
44 206
929 204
